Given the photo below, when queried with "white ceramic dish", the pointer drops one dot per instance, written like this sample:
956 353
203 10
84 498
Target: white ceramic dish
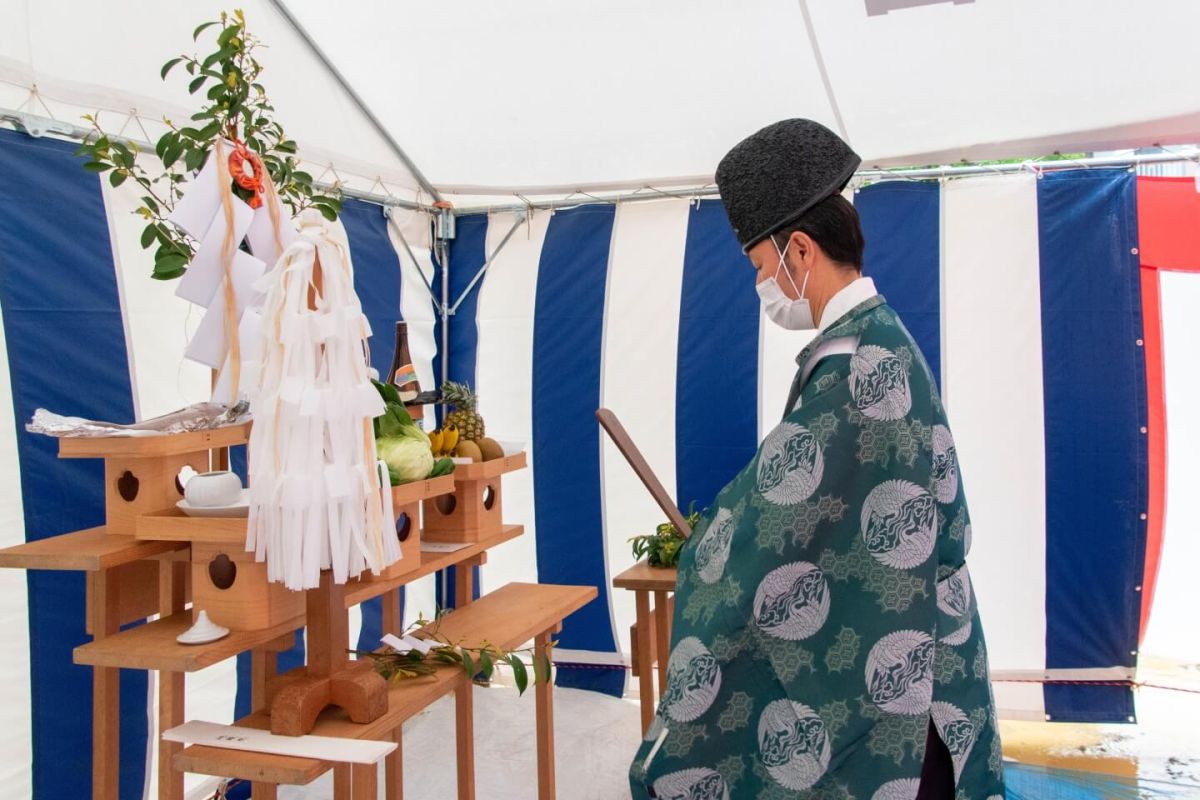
203 631
239 509
213 489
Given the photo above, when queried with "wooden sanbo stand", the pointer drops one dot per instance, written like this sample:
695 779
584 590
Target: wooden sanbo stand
297 698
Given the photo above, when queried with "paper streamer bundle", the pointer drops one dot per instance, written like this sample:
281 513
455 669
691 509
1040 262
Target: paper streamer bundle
314 485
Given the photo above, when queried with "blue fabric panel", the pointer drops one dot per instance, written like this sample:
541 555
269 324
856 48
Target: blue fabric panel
376 276
66 351
468 252
377 282
567 341
1096 451
715 435
1089 702
901 223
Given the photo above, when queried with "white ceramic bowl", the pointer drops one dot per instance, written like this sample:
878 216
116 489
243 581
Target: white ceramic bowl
210 489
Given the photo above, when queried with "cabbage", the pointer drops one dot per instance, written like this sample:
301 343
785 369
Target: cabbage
407 455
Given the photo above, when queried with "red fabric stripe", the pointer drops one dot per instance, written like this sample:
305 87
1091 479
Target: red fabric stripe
1157 434
1168 219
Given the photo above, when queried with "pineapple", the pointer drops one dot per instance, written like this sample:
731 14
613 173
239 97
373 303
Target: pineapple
464 416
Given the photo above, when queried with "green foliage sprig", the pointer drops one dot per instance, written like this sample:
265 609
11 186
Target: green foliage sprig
481 660
236 109
662 547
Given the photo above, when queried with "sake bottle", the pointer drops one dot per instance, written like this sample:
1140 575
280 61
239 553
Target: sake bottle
402 375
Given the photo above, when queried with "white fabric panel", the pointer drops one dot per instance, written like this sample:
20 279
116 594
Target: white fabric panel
1018 78
158 325
15 733
416 308
777 351
965 79
68 51
1172 630
504 377
992 370
637 375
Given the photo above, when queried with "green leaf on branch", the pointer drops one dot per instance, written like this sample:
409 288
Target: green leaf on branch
196 84
149 237
96 166
167 67
520 675
485 664
201 28
468 664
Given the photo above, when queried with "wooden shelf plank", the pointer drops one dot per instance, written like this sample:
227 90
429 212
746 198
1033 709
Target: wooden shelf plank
513 614
153 646
415 492
173 525
506 617
358 591
88 550
147 446
643 576
485 470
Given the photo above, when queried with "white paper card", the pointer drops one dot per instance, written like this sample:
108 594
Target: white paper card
248 336
326 748
441 547
395 642
261 234
199 284
200 202
420 646
208 345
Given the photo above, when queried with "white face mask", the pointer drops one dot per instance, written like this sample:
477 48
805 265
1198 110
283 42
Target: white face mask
792 315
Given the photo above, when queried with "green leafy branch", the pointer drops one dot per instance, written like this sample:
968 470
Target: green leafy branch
237 108
481 660
661 548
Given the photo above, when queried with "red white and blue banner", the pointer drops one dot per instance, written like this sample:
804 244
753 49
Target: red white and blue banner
1026 293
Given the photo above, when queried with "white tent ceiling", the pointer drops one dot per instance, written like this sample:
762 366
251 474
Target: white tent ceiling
545 97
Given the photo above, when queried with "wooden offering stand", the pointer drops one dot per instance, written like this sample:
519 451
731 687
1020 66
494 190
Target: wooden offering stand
328 678
475 509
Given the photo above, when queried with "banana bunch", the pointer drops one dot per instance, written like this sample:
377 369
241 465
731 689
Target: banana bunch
444 441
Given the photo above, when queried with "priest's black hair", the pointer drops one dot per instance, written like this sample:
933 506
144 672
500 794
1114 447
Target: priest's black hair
833 224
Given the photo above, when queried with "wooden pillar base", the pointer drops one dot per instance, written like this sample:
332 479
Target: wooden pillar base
297 699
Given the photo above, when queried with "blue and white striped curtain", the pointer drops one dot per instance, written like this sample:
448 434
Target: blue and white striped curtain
1024 296
1022 293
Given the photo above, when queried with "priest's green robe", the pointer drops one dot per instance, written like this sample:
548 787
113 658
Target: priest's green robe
824 613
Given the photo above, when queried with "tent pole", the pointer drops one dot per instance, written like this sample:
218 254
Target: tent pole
426 186
579 197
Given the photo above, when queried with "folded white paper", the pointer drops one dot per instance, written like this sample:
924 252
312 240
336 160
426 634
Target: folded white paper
196 209
200 283
326 748
395 642
261 234
209 345
248 333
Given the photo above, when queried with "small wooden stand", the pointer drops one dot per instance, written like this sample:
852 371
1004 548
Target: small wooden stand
406 507
329 678
475 509
651 639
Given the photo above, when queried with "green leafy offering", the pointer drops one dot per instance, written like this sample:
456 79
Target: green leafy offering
401 444
475 661
661 548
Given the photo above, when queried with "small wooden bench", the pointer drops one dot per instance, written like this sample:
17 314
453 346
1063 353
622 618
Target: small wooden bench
507 618
650 637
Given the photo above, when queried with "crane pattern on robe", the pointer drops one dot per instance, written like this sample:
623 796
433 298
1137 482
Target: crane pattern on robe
824 614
